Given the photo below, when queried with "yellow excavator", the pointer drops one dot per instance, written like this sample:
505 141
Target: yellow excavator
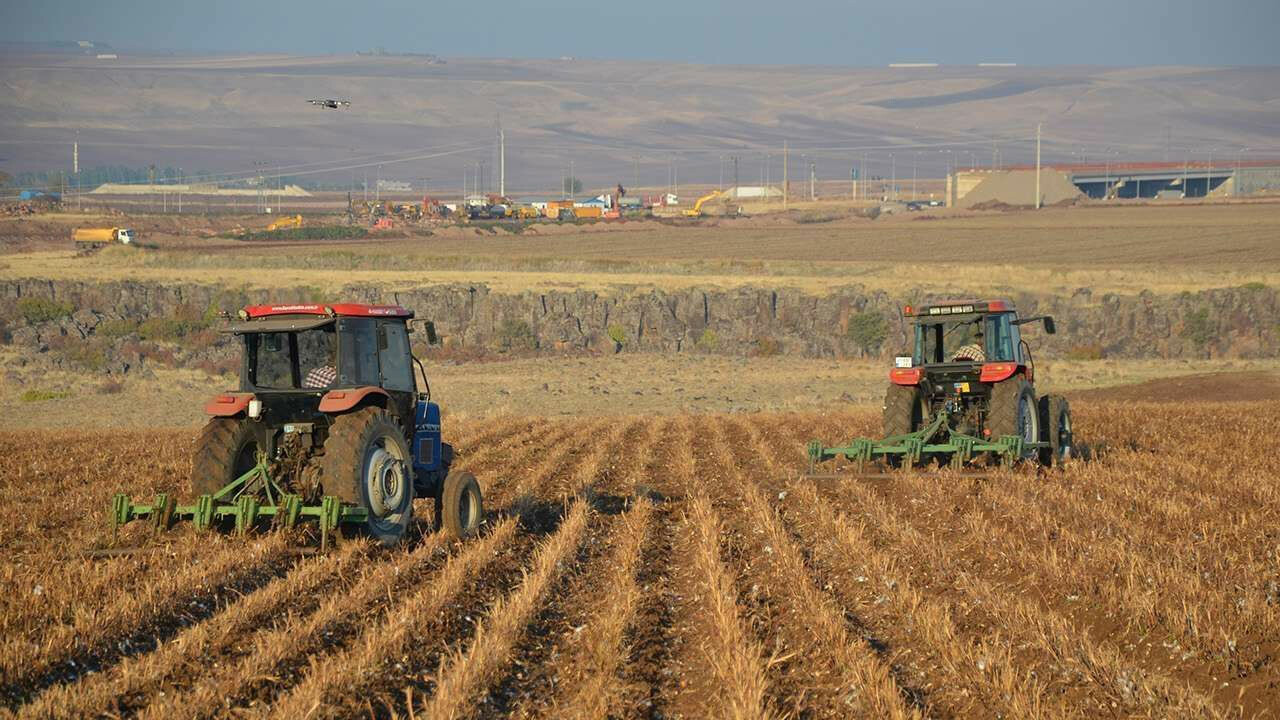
696 210
293 221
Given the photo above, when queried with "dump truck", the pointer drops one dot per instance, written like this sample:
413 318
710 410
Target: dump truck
966 394
333 422
98 237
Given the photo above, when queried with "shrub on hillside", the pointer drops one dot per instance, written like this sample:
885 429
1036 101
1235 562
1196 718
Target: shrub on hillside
516 335
36 310
867 331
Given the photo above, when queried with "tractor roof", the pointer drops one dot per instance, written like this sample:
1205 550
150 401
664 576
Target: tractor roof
337 310
958 307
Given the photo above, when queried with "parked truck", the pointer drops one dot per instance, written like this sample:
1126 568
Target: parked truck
97 237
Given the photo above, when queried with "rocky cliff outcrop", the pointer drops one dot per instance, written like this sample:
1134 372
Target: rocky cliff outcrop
1227 322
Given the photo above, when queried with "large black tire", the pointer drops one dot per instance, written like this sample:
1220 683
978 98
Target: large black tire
904 410
1013 411
225 450
1055 428
366 462
460 507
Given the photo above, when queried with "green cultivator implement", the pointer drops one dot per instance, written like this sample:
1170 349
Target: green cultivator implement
252 497
937 440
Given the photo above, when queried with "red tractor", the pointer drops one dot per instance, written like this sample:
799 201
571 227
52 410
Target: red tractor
966 392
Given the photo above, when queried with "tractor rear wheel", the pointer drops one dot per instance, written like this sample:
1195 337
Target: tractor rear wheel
1013 411
225 450
460 507
904 410
366 462
1055 420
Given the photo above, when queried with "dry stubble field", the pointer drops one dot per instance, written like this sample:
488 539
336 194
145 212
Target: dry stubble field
673 567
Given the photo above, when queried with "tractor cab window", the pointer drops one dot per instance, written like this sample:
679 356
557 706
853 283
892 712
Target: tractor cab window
270 360
393 345
292 360
359 362
957 339
1002 337
973 338
318 357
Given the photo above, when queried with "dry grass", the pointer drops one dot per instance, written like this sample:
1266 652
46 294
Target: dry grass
1119 249
692 574
622 384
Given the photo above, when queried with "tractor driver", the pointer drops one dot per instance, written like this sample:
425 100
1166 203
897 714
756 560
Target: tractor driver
974 350
316 355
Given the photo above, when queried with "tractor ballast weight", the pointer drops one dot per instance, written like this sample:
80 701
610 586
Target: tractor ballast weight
965 394
330 425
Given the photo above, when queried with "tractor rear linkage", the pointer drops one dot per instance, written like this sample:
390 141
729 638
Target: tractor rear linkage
912 447
237 500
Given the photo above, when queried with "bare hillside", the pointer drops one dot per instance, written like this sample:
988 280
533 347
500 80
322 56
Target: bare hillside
614 120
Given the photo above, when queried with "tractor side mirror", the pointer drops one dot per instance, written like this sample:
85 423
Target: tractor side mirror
430 329
1049 326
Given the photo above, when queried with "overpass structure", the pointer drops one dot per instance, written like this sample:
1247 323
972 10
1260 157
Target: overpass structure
1165 179
1106 181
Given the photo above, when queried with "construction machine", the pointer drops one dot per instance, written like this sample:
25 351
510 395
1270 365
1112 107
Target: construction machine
293 221
696 210
333 422
966 394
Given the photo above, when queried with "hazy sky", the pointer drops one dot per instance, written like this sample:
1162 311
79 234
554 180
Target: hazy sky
1033 32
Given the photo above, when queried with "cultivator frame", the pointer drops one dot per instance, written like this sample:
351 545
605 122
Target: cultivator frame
913 447
239 499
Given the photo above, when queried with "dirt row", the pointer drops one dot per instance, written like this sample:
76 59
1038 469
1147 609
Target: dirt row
671 567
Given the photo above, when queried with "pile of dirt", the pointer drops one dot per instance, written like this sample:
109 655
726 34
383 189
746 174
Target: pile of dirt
1018 188
1207 387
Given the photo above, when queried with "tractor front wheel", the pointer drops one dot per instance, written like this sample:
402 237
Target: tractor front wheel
459 508
366 463
1013 411
226 449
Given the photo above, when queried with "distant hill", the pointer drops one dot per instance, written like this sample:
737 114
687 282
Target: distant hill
614 120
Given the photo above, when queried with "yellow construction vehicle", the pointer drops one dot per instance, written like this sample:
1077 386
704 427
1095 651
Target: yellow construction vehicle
696 210
293 221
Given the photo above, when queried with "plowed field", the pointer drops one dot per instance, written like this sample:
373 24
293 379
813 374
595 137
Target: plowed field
672 567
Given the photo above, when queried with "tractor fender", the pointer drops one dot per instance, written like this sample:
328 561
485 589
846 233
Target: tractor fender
336 401
228 404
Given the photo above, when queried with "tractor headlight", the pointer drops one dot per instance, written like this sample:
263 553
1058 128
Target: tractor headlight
255 408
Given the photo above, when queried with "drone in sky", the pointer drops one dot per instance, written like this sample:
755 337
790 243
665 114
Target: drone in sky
331 104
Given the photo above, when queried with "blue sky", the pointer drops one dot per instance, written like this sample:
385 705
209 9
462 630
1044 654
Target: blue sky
1030 32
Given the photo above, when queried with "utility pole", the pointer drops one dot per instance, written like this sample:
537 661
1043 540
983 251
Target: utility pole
915 160
893 179
862 175
502 162
735 172
1208 175
1038 166
75 165
786 181
813 179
